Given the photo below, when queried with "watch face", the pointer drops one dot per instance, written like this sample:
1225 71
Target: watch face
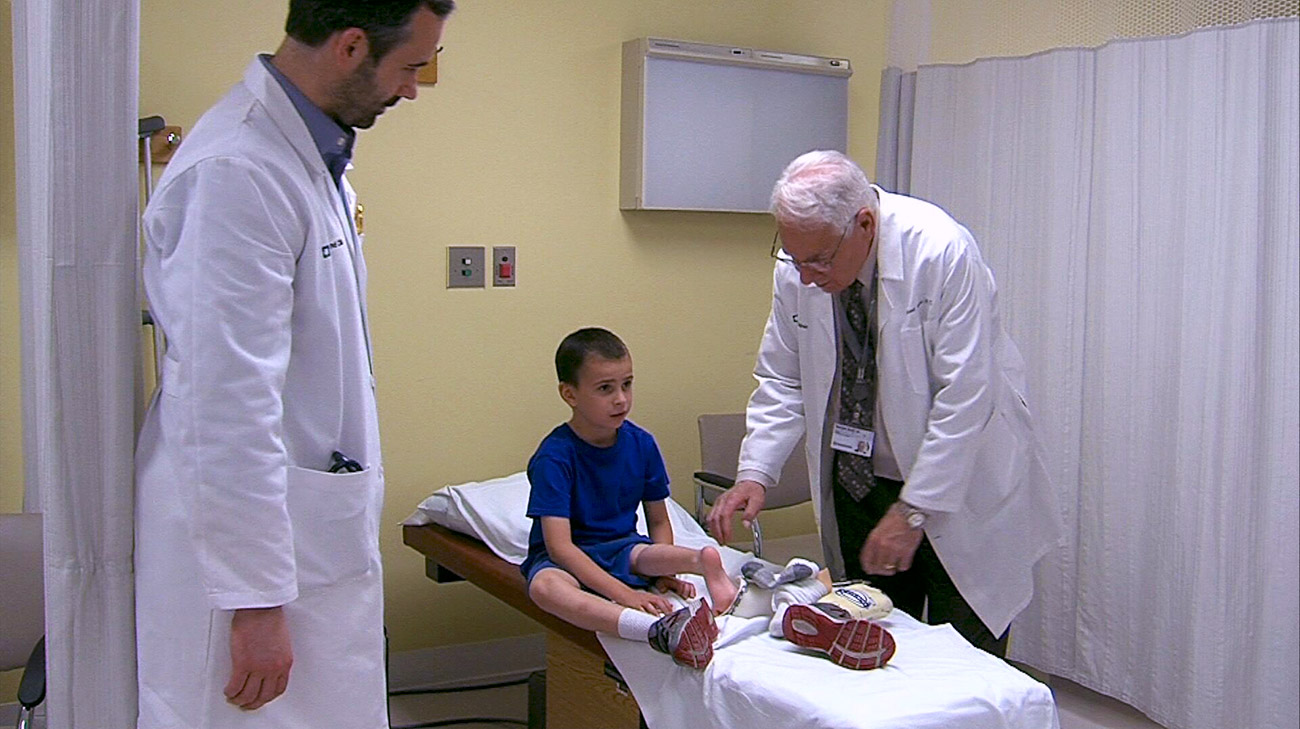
916 520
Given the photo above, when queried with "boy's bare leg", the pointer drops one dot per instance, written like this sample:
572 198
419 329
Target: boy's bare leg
668 559
558 593
687 635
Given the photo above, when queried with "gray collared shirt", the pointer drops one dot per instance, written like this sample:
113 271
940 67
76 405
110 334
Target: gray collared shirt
332 139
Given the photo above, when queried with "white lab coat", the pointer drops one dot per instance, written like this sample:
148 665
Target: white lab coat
255 274
951 385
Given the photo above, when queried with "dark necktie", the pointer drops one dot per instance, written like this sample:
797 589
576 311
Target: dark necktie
857 390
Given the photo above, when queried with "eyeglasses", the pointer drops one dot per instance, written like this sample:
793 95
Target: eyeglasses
820 264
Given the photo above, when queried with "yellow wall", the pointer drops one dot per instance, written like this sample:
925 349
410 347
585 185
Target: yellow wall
518 145
11 439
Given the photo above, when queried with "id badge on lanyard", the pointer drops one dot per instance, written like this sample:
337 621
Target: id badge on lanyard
848 439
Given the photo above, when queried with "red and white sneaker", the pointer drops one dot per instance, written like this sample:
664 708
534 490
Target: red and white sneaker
687 635
851 642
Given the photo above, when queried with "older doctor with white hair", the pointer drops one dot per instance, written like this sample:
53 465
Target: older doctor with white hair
884 346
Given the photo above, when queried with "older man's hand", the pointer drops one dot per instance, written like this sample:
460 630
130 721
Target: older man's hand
747 497
891 545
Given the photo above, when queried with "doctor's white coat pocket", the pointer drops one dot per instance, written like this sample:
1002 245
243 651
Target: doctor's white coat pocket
911 342
999 467
334 524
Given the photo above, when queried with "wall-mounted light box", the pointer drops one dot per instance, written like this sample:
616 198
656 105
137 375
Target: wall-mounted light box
710 127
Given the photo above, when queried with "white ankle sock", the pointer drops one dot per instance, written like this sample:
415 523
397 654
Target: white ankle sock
797 569
799 592
635 625
774 626
765 574
760 572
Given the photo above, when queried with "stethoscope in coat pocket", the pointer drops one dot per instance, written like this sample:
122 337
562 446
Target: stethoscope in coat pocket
340 463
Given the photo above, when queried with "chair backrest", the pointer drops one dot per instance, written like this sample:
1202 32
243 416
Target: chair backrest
22 588
720 437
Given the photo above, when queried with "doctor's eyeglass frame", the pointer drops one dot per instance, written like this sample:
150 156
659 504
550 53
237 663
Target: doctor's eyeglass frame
820 263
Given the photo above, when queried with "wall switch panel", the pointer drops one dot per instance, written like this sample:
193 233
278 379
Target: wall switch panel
504 268
464 267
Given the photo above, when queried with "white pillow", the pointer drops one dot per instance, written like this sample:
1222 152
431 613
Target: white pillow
493 511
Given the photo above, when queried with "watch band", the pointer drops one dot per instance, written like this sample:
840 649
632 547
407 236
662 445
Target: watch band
915 517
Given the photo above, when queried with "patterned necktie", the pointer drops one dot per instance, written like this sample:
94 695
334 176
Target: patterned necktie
857 393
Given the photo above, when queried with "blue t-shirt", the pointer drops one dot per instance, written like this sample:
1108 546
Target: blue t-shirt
596 489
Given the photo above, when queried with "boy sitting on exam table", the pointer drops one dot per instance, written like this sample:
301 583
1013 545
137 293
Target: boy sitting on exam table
586 562
588 565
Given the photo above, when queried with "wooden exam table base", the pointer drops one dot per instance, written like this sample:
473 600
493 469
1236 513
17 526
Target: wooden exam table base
583 690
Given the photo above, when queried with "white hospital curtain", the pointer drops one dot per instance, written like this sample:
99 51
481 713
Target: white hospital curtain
76 76
1138 203
894 137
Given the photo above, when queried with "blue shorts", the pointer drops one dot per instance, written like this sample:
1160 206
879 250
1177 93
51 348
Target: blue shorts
614 557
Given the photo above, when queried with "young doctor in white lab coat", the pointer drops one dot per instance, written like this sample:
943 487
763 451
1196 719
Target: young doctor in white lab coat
952 423
258 587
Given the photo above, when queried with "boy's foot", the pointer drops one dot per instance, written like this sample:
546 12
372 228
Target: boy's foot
686 635
850 642
722 591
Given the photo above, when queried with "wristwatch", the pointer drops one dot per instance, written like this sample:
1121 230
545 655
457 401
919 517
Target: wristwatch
914 516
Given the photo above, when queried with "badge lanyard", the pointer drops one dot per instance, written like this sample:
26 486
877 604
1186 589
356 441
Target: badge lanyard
859 348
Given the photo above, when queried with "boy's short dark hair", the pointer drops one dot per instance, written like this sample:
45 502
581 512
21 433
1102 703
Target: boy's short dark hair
573 351
385 21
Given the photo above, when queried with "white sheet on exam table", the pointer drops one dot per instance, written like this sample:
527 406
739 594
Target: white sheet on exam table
935 679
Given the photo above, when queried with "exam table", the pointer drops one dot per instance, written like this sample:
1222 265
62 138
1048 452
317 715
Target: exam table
936 679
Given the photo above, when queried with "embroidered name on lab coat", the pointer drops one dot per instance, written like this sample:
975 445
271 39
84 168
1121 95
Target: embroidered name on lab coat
919 304
325 250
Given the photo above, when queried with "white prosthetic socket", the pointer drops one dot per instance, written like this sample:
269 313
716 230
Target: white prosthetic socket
752 601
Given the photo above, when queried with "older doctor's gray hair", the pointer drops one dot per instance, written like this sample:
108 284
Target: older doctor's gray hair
821 189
